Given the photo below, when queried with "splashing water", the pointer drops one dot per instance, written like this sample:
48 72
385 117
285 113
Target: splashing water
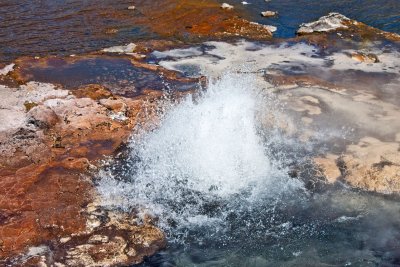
205 161
215 173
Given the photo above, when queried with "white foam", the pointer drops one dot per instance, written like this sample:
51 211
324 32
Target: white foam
203 150
215 148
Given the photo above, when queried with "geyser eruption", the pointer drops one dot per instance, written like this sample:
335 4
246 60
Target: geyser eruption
206 160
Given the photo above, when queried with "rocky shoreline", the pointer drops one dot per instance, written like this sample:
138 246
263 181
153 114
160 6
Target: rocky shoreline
50 146
54 134
52 142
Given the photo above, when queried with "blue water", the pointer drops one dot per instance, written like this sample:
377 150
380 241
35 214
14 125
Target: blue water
382 14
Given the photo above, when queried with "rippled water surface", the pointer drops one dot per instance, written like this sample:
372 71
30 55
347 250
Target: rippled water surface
37 28
66 27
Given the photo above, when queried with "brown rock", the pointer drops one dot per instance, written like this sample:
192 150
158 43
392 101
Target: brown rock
116 240
328 168
106 254
93 91
199 19
44 188
372 165
115 105
366 58
76 163
29 105
42 117
41 202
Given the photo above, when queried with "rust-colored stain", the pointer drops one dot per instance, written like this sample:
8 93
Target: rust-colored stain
121 74
196 19
42 202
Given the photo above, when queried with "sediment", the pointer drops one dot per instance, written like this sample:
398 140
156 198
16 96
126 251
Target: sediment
51 142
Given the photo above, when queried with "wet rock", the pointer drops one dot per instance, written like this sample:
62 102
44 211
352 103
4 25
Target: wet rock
226 6
331 22
271 28
98 255
268 28
372 165
269 13
366 58
42 117
242 27
46 156
93 91
307 104
47 199
284 81
115 105
117 239
138 56
209 20
129 48
328 167
77 163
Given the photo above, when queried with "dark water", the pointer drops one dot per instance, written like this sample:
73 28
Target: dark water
339 228
41 27
334 226
382 14
317 225
116 74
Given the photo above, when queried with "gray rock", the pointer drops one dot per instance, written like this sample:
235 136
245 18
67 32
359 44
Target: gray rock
331 22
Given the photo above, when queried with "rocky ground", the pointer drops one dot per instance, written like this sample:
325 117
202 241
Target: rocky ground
51 142
54 132
371 161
